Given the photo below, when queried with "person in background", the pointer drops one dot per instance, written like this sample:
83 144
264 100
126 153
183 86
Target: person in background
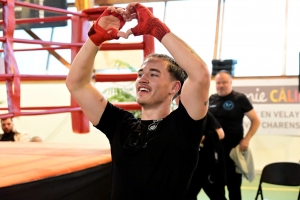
10 133
36 139
229 107
210 174
153 157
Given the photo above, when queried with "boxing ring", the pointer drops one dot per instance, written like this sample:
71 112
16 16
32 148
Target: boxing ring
54 171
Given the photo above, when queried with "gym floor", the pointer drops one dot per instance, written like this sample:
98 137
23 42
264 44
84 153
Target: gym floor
270 192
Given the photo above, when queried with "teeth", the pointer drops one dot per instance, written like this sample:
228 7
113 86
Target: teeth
144 89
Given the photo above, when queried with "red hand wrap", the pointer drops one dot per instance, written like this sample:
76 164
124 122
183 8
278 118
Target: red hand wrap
98 35
148 24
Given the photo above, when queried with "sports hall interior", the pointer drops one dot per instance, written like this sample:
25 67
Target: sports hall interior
41 38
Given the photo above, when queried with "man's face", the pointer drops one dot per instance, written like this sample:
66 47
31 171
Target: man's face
154 83
7 125
223 84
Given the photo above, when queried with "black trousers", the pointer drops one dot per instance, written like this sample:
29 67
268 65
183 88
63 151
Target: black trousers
213 191
234 180
213 187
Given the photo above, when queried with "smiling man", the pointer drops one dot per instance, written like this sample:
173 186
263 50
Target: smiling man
153 157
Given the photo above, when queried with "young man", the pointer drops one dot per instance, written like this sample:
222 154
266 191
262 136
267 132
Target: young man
229 107
153 157
10 134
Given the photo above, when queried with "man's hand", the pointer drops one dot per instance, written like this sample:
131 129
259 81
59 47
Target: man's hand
107 26
244 143
147 23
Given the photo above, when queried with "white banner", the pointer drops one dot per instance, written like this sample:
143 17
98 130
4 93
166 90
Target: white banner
277 103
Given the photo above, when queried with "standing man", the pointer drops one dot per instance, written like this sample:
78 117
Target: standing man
210 173
229 107
11 134
153 157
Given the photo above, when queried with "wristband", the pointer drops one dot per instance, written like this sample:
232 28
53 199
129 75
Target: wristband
98 35
148 24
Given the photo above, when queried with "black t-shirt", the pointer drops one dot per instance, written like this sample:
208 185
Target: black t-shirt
8 136
151 164
211 123
229 111
208 149
208 154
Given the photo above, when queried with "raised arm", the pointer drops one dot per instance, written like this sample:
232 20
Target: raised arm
78 81
195 91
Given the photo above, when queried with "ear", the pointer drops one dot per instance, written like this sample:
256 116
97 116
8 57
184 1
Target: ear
175 88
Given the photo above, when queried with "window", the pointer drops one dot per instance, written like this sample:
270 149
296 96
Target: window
293 38
254 36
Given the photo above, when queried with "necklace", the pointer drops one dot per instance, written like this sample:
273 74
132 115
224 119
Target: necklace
142 134
151 127
154 125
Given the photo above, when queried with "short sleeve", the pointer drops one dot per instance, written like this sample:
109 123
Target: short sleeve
193 129
111 119
245 103
212 121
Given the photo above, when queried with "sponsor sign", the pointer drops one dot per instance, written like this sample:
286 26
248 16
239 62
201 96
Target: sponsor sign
278 108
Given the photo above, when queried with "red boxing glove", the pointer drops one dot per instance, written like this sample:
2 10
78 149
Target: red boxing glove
98 35
148 24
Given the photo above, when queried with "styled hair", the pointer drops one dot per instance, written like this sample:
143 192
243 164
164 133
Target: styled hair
175 70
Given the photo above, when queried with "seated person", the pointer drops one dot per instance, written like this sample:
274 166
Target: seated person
11 134
36 139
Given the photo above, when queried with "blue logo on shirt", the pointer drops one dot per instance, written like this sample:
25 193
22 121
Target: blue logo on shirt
228 105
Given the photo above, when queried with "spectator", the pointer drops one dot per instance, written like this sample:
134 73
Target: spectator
10 133
36 139
229 107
